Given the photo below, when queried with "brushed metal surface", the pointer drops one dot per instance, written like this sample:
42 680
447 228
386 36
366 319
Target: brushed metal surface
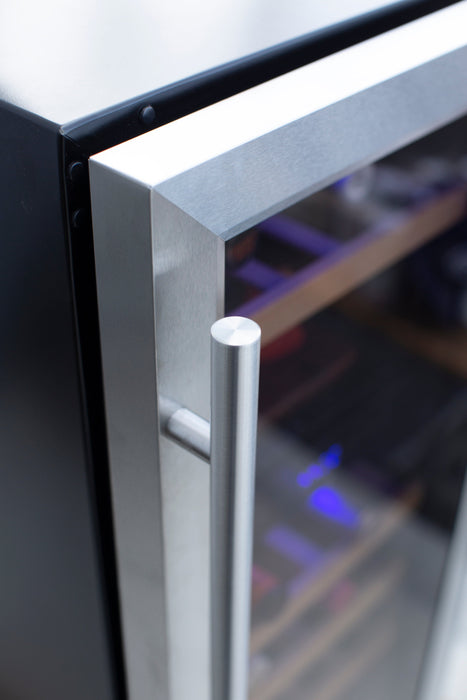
185 428
265 148
235 348
126 300
160 288
64 62
229 444
210 176
440 674
189 283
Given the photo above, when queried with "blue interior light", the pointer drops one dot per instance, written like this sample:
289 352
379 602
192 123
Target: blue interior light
311 474
330 503
330 459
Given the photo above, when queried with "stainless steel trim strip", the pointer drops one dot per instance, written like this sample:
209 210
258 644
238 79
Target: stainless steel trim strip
440 676
124 273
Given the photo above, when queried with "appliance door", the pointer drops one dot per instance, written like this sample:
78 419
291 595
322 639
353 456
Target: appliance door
172 211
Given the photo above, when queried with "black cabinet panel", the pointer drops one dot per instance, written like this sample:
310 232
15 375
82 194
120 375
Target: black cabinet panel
54 642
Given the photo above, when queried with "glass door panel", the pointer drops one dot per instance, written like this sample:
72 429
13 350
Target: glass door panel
361 292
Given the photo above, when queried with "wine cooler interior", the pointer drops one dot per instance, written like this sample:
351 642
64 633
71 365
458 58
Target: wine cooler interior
361 293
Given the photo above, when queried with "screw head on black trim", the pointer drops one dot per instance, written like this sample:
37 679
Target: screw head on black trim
78 218
76 172
147 115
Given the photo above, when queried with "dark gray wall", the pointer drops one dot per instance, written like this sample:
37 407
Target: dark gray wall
54 643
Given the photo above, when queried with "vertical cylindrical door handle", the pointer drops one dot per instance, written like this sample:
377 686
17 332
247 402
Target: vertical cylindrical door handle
229 444
235 350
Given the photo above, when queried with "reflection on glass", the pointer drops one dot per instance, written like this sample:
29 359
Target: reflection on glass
361 291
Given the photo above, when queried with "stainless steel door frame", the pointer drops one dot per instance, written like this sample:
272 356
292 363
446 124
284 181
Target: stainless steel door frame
444 673
163 206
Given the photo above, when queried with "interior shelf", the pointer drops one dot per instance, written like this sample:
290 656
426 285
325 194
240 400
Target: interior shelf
389 520
315 646
323 281
358 662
